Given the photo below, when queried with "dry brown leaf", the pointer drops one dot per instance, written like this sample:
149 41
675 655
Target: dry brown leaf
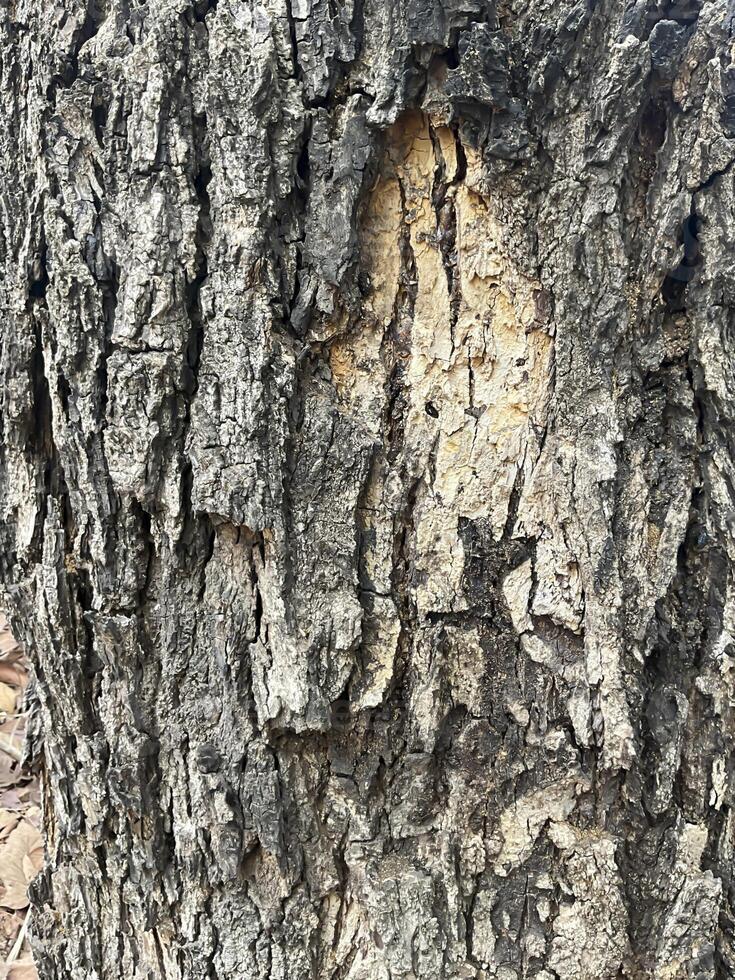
9 771
30 794
33 813
21 849
11 747
22 970
8 822
13 674
10 799
21 857
29 867
10 925
10 649
8 699
14 726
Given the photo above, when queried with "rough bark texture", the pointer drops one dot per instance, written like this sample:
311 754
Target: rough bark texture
367 483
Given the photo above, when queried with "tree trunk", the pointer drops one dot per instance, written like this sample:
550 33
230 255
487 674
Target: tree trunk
367 483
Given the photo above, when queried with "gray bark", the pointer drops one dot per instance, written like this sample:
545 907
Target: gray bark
367 484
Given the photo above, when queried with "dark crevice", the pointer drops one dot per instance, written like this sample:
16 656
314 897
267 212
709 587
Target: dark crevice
146 560
200 181
100 112
401 574
446 220
258 563
675 284
64 393
683 12
298 73
68 71
687 622
714 176
652 126
39 279
303 169
41 430
202 8
398 339
297 307
110 287
208 550
201 178
75 589
451 56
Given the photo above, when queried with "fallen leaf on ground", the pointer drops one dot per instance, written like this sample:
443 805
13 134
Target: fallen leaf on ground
10 799
10 650
22 970
9 770
19 799
12 674
21 858
10 924
8 822
8 698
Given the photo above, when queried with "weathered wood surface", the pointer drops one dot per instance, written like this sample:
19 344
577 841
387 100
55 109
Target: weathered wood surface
367 485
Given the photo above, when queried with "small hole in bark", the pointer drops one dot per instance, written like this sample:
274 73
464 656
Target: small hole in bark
452 57
39 279
208 758
201 181
99 118
441 64
64 393
341 715
652 129
202 8
685 12
302 164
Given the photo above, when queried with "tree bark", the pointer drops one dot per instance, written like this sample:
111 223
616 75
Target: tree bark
367 483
